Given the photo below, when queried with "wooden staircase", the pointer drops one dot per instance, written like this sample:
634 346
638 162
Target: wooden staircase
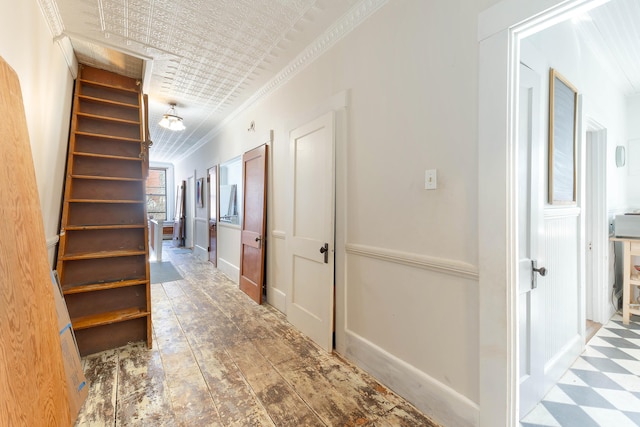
103 257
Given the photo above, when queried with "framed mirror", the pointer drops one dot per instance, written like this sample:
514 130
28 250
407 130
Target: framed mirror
230 185
563 111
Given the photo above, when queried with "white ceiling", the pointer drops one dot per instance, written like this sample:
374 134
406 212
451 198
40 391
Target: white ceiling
207 56
613 34
214 57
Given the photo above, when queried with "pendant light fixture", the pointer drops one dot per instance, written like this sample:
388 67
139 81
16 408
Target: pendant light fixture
170 120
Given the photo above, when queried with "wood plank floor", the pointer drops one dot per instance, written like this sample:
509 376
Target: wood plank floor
221 360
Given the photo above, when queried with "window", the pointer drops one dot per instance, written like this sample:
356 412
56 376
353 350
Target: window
157 194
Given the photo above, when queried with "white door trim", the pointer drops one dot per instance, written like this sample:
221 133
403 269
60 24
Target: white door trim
500 29
190 212
598 222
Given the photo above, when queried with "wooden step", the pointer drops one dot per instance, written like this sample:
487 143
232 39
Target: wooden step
102 254
108 119
108 101
106 85
105 201
108 318
107 156
101 286
105 178
105 227
107 137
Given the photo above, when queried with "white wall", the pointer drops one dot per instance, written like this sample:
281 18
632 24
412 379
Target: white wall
47 86
408 302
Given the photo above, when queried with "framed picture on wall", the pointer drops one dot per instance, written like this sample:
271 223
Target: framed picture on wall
199 195
563 113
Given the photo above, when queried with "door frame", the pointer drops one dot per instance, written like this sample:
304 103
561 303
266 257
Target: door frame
190 208
215 214
500 30
277 293
596 220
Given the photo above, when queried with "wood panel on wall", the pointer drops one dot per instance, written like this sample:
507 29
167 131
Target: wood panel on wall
32 377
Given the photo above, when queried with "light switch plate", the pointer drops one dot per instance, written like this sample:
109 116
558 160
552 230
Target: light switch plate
430 179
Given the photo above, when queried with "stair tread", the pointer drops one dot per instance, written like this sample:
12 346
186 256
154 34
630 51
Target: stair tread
104 227
107 318
106 156
90 287
101 254
121 201
109 119
108 101
105 178
101 135
107 85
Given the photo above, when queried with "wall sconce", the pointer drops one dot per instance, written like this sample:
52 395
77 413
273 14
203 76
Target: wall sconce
170 120
620 156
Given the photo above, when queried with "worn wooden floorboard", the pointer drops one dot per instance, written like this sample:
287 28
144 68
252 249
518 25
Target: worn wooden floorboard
221 360
101 371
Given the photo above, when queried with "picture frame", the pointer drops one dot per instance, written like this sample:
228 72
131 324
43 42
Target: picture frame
563 113
199 195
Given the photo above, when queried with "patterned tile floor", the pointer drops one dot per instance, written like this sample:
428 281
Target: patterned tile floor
602 388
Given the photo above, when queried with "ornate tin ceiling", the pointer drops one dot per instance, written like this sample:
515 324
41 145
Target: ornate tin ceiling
207 56
213 57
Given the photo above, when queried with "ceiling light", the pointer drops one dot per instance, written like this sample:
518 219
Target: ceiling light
170 120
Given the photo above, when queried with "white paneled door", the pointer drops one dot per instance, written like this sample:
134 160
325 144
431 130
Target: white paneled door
310 303
531 341
549 290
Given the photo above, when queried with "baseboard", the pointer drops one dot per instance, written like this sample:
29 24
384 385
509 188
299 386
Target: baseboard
201 253
229 269
555 368
277 299
439 402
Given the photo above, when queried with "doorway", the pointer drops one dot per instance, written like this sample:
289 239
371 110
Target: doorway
189 212
501 29
598 310
212 187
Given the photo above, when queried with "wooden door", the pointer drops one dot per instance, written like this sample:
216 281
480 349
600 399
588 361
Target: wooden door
311 299
212 185
254 168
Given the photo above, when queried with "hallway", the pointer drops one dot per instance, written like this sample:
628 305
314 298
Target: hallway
219 359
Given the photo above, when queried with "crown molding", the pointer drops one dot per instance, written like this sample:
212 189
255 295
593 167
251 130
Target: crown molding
51 14
343 26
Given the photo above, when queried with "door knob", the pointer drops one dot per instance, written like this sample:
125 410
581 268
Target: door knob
260 238
541 271
325 251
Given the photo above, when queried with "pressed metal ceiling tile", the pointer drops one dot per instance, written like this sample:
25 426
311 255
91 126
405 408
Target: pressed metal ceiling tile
211 57
208 56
